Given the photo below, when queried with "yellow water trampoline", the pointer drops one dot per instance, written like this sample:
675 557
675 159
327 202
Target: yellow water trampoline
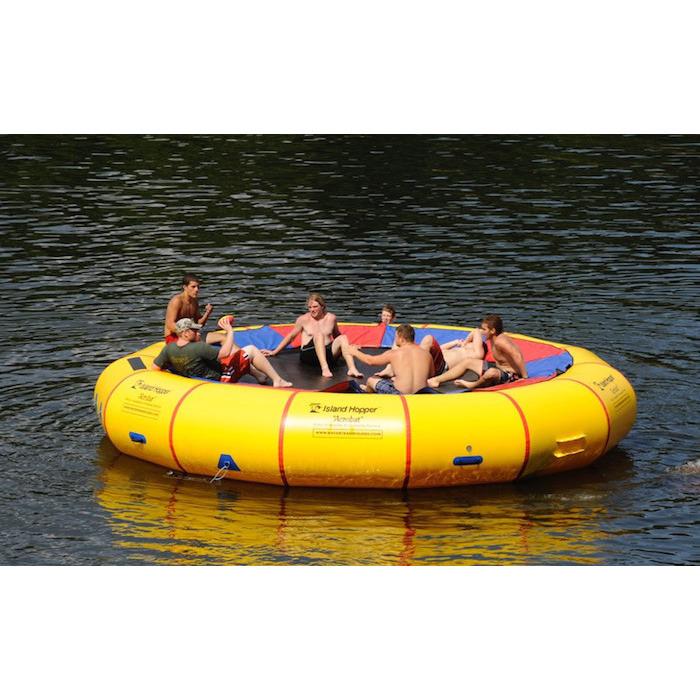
573 408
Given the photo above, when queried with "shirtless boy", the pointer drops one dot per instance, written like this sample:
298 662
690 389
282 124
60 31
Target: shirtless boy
509 365
185 305
447 355
321 341
473 346
411 364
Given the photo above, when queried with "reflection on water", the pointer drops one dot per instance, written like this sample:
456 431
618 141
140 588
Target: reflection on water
157 517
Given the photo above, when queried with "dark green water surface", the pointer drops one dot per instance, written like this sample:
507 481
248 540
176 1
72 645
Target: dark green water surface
589 240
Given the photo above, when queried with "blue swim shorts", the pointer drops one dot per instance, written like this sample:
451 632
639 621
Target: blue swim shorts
504 377
385 386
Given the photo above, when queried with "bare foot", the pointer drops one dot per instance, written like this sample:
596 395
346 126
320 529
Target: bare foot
462 383
355 373
281 383
326 373
433 383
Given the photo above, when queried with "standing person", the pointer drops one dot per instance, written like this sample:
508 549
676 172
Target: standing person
508 365
321 340
188 356
185 305
411 365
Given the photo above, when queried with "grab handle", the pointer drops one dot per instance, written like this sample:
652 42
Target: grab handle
467 460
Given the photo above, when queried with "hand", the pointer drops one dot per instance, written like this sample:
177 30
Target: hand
208 309
269 353
225 323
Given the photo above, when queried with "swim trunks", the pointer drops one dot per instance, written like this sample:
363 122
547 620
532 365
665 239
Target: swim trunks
505 377
171 338
385 386
234 367
439 364
308 356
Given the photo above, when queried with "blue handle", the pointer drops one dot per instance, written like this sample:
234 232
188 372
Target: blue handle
467 461
137 437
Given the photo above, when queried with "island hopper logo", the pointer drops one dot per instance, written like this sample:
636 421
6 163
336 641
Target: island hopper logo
316 407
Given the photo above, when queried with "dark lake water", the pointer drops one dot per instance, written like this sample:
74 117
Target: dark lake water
590 240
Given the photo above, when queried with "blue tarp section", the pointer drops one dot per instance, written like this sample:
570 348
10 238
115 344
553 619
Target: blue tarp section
264 338
389 335
443 336
548 366
268 338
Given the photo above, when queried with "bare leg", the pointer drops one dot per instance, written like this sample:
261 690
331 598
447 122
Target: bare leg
262 365
214 337
341 345
427 342
475 345
470 363
488 377
388 371
371 383
260 377
320 347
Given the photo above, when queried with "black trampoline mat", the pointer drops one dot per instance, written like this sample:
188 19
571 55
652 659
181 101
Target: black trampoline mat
302 376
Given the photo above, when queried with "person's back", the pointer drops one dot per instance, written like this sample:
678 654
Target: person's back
412 366
193 360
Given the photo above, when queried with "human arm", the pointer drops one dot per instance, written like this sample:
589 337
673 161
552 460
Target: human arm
286 340
514 357
372 360
227 345
160 361
336 330
205 316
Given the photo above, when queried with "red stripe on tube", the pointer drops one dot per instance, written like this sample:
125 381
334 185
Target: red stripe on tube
407 418
280 442
525 428
172 424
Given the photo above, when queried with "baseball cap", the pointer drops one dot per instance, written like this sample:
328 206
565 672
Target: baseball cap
186 324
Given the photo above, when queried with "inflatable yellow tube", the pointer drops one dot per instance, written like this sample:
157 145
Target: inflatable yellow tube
292 437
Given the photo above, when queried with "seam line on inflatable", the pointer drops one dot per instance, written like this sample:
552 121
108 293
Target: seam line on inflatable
602 363
602 403
118 384
280 440
407 419
526 428
172 424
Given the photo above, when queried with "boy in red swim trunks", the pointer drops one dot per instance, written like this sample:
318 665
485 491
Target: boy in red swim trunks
188 356
185 305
